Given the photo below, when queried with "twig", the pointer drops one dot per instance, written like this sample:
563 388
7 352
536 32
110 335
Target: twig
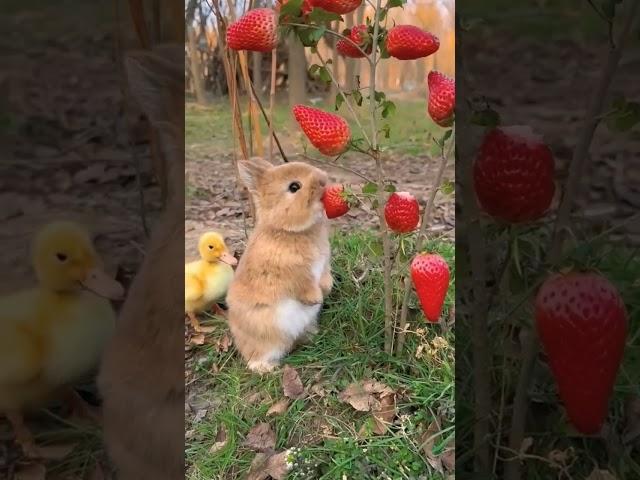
346 100
331 164
426 219
331 32
272 99
578 163
266 119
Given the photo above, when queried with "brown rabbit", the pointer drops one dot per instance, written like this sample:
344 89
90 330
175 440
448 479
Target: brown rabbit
142 373
285 272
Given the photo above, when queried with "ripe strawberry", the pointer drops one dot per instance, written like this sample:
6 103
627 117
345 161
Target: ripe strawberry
337 6
442 98
582 324
513 175
430 275
402 212
256 30
406 42
358 36
327 132
335 204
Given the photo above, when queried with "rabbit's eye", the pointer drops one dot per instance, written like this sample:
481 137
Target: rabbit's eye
294 187
61 256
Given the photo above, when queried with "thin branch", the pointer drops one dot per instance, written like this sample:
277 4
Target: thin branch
346 100
331 164
266 119
426 219
578 163
272 99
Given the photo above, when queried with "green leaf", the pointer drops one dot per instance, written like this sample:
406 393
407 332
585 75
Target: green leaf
313 69
395 3
435 150
370 188
625 118
319 15
388 108
291 8
358 81
386 129
447 187
310 36
486 118
324 75
384 53
380 96
446 136
357 96
339 101
390 188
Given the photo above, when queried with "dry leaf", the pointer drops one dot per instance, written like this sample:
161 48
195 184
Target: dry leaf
275 466
448 458
279 407
428 440
261 438
291 383
197 339
385 415
56 452
599 474
224 343
33 471
364 396
221 441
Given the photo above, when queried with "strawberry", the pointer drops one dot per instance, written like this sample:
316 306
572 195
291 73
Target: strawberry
358 36
402 212
327 132
256 31
406 42
430 275
335 204
337 6
513 175
582 324
442 98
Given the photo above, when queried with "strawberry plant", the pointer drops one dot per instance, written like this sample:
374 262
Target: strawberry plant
329 133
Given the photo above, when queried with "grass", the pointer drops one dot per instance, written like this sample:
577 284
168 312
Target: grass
331 437
410 127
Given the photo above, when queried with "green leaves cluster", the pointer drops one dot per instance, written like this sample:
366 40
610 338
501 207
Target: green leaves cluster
623 116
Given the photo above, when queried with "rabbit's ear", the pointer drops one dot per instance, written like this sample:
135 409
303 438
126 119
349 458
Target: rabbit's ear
252 170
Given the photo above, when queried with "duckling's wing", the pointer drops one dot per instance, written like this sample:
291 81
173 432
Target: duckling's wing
193 288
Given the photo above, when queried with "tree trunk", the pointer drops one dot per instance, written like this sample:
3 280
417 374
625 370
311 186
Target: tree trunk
256 66
297 73
335 58
196 71
349 63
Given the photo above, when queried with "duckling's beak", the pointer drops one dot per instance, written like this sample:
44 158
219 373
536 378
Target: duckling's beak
229 259
98 282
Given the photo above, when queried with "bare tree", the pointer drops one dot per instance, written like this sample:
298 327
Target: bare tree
194 61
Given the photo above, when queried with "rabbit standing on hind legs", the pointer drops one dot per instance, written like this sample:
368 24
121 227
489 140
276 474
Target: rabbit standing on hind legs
285 272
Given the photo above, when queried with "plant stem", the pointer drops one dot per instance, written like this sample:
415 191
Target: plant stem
578 163
272 99
268 122
337 165
426 219
346 100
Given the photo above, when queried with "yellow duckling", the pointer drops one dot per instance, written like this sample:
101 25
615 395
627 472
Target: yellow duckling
207 280
52 336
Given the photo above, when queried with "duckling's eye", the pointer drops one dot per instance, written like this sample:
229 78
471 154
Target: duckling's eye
294 187
61 256
210 247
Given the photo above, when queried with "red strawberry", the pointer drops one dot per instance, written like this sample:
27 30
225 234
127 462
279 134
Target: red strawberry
327 132
442 98
402 212
430 275
337 6
357 35
335 204
406 42
582 324
256 30
513 175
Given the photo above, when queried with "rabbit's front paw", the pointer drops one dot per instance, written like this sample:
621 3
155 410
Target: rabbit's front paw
261 366
312 296
326 283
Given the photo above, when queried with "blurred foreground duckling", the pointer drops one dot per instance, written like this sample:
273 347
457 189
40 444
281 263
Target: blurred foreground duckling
207 280
52 336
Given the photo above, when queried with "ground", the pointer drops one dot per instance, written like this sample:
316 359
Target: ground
329 437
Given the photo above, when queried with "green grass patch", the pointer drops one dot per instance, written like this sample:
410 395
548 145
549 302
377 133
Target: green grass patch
331 437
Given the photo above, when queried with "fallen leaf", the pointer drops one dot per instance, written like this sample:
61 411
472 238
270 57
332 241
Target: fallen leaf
56 452
599 474
385 415
319 390
279 407
33 471
224 343
275 465
362 395
220 442
197 339
291 383
448 459
261 438
428 440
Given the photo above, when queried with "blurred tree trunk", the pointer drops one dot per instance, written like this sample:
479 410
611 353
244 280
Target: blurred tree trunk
421 72
194 61
256 67
297 72
349 63
335 58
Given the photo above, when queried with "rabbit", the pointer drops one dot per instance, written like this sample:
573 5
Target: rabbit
141 378
285 272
